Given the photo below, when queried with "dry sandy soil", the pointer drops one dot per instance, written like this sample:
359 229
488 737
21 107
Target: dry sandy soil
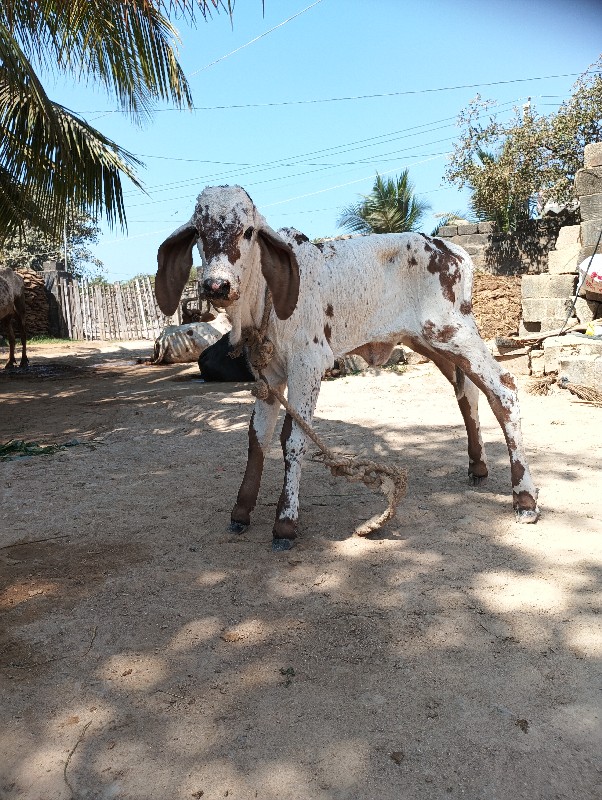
148 654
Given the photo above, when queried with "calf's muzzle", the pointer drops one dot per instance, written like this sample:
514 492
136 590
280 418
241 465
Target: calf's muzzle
216 289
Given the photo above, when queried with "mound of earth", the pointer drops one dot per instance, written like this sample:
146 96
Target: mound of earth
496 301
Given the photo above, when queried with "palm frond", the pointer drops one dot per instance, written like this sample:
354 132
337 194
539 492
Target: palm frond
391 207
128 46
49 156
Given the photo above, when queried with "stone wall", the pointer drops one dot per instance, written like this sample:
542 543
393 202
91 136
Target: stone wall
548 299
523 251
588 187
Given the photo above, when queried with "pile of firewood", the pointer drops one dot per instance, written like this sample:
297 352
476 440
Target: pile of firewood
36 303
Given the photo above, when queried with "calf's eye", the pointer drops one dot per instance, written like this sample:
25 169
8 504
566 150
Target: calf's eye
248 233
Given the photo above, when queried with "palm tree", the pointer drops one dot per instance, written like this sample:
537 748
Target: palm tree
391 207
49 156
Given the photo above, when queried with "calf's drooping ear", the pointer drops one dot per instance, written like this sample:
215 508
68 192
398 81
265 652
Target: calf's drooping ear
174 260
281 271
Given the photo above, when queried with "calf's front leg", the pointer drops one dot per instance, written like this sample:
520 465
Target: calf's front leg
303 393
261 430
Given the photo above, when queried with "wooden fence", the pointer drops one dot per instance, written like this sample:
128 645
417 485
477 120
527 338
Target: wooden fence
112 311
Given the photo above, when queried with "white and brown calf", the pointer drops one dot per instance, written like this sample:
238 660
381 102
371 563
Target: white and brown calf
361 295
12 305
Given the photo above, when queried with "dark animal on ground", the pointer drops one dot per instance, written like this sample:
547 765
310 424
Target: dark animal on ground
12 306
216 364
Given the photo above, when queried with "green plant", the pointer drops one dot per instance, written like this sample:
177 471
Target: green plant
513 168
391 207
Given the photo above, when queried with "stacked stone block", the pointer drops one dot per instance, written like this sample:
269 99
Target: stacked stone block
564 259
588 187
475 238
546 302
547 298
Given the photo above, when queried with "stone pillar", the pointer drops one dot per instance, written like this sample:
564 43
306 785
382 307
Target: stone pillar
588 188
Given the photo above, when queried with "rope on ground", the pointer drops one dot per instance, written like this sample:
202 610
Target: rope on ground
392 481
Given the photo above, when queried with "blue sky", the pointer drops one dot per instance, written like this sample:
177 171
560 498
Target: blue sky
270 117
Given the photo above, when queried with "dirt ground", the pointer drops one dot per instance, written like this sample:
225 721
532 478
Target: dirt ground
148 654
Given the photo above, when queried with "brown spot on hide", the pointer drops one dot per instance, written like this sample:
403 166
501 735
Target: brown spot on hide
466 307
300 238
447 264
327 332
219 236
375 353
315 340
329 310
249 488
409 246
508 381
444 334
523 501
412 261
517 471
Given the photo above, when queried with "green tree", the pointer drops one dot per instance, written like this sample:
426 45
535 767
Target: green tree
513 168
32 247
391 207
49 156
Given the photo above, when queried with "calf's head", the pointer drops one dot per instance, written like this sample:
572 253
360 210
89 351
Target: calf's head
235 244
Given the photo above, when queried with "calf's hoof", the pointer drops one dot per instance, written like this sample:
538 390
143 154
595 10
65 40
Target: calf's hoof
237 527
527 516
281 545
477 473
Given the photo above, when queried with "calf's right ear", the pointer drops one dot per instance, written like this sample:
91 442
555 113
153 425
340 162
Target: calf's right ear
174 260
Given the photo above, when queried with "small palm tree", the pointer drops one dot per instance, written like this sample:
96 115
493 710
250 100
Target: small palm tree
391 207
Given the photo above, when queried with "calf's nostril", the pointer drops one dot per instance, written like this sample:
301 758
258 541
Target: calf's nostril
216 287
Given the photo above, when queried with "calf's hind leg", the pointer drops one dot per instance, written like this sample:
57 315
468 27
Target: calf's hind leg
467 396
462 345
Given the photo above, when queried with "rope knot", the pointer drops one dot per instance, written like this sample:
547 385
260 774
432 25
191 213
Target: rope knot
261 390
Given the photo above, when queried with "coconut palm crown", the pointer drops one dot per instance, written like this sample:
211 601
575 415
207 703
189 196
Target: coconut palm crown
391 207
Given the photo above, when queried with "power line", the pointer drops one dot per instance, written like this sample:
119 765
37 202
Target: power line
303 158
352 97
296 175
289 199
256 39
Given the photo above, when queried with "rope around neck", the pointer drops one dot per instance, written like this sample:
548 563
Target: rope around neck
391 480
